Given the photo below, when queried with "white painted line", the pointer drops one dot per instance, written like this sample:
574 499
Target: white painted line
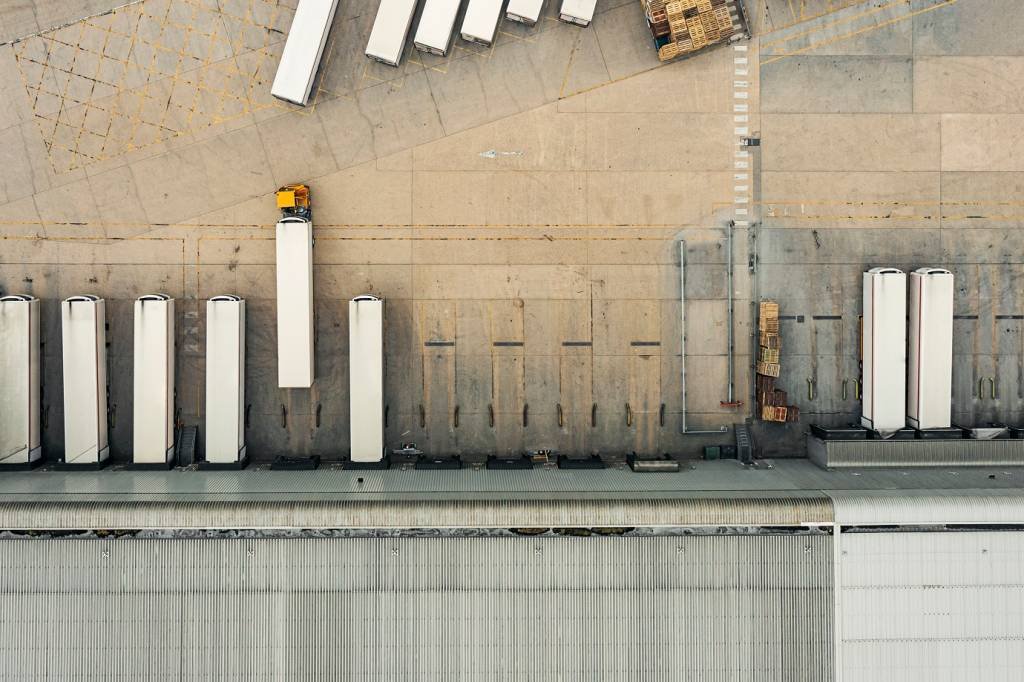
741 95
742 165
742 200
741 211
742 131
742 154
741 84
742 188
742 72
740 176
740 60
740 48
742 118
740 223
741 107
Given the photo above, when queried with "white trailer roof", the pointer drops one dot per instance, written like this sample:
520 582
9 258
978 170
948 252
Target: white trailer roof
436 23
527 9
302 50
481 20
390 29
580 9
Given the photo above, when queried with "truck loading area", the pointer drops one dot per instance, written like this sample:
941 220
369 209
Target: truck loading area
573 239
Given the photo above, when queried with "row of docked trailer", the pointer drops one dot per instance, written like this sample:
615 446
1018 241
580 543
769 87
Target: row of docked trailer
437 21
84 349
311 25
888 360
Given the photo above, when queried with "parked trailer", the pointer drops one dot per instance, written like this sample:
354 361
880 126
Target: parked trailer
437 21
524 11
225 380
579 12
294 303
390 29
366 378
481 21
84 348
930 349
153 380
20 387
884 396
302 50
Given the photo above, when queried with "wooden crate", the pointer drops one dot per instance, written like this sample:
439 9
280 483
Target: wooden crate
764 383
703 5
770 413
724 19
668 51
768 369
696 29
768 309
710 24
769 340
768 354
792 413
770 326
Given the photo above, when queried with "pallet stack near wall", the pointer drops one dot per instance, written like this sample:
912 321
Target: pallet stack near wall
771 401
683 26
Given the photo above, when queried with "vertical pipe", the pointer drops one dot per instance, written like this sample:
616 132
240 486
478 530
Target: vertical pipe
728 269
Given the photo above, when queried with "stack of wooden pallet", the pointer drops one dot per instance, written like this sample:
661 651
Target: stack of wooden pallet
682 26
771 401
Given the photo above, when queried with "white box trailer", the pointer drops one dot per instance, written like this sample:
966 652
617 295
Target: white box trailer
884 396
481 21
390 29
930 349
437 21
524 11
225 379
366 378
302 50
20 441
294 303
153 380
580 12
84 350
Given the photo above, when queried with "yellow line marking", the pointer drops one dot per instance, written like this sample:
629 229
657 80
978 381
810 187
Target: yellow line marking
844 20
814 46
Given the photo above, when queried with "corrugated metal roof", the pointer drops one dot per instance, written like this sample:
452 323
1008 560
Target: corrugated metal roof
928 507
926 607
760 511
713 608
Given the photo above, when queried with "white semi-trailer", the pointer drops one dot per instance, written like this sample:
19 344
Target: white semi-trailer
84 344
390 29
434 34
366 378
580 12
302 50
481 21
885 350
294 303
153 381
20 442
524 11
930 349
225 380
